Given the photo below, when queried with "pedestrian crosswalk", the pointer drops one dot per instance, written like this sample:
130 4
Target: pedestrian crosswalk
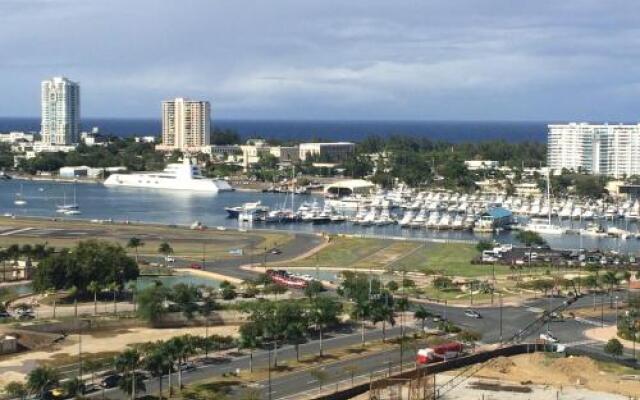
580 343
589 321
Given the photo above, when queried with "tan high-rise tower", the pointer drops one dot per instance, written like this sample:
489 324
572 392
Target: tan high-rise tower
186 124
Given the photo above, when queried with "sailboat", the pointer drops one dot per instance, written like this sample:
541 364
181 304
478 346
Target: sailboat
69 209
542 226
19 201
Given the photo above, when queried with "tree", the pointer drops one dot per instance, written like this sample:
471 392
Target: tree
135 243
16 390
249 339
313 289
157 362
228 290
319 375
484 245
392 286
530 238
90 260
127 363
614 348
382 311
352 370
422 314
469 336
73 386
165 249
151 303
42 379
94 287
324 311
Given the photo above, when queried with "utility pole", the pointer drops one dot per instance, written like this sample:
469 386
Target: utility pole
269 372
203 255
501 339
602 313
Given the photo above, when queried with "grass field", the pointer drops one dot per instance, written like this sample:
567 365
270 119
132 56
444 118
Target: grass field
448 258
185 242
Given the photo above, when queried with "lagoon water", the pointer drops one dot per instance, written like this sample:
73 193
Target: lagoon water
183 208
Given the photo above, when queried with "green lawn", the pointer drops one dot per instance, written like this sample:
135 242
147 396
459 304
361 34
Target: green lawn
344 252
452 259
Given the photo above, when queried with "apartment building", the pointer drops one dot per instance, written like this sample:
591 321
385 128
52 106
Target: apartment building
186 124
603 149
60 107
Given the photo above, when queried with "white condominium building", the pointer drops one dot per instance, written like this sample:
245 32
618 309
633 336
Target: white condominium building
603 149
186 124
60 111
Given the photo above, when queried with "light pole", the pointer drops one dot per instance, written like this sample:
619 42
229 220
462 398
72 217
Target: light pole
500 298
269 368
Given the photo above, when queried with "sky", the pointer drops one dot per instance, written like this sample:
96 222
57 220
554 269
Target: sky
330 59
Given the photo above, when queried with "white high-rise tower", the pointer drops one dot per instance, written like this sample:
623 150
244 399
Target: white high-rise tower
60 111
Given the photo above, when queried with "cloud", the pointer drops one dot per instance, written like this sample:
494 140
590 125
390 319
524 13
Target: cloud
331 59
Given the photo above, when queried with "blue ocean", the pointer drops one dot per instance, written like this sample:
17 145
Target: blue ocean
451 131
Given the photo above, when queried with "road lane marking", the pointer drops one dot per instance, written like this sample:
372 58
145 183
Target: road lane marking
13 232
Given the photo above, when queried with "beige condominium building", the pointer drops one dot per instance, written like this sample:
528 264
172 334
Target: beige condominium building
186 124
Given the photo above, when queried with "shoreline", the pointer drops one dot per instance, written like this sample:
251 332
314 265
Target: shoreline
209 274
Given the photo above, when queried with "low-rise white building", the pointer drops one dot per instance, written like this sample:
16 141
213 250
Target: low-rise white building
336 151
257 148
481 165
16 137
83 171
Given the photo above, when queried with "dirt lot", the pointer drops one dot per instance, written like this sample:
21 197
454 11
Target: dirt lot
562 372
15 366
541 377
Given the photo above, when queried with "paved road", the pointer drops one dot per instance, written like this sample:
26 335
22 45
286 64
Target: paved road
513 320
300 244
348 337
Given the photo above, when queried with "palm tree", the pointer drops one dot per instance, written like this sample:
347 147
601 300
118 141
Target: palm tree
73 292
113 287
610 278
94 287
16 390
422 314
42 379
157 362
381 312
165 249
133 288
128 362
324 312
135 243
361 311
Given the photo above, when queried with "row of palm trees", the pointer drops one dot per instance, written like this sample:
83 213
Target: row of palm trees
160 359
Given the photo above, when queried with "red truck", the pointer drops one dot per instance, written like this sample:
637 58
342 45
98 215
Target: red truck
441 352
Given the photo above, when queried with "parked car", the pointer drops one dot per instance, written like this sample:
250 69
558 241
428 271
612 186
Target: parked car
187 366
111 381
170 259
275 251
195 266
472 314
5 314
548 337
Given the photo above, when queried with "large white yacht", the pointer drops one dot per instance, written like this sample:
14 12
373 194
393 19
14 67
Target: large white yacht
178 176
